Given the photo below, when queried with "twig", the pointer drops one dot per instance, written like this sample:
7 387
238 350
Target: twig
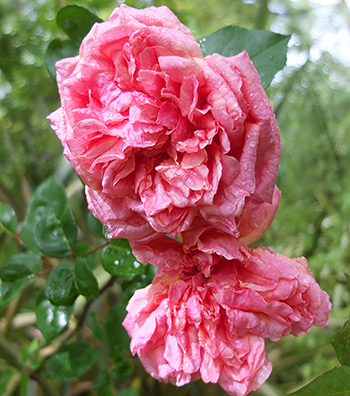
96 249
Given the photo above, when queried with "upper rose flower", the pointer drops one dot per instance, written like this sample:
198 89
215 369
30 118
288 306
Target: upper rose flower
164 138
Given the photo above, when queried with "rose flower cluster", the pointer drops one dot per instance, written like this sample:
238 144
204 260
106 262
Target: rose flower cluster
171 144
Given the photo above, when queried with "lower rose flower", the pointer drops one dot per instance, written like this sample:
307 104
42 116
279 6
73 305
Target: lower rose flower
207 311
181 333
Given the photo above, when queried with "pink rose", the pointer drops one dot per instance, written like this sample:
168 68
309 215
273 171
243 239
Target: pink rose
262 293
182 334
163 138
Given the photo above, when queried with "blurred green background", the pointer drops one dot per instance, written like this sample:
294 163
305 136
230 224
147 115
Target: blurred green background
311 99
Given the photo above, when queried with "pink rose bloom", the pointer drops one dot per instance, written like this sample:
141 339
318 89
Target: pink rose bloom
165 139
182 334
263 293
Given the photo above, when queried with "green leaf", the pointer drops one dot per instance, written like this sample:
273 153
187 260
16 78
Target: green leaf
335 382
103 384
69 226
49 198
59 49
267 50
119 261
76 21
129 392
10 290
20 266
24 383
85 279
50 319
27 351
8 218
117 337
60 286
120 242
71 361
341 344
50 237
94 225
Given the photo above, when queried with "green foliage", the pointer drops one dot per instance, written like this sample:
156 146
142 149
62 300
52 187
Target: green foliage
57 50
51 319
341 344
94 225
61 288
335 382
129 392
76 21
267 50
71 361
10 290
21 265
8 218
119 261
117 337
49 226
85 279
103 384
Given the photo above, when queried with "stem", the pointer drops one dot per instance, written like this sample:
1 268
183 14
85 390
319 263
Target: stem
96 249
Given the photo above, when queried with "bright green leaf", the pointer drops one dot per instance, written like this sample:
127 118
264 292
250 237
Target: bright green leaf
24 382
50 237
103 384
8 218
335 382
267 50
94 225
341 344
76 21
121 262
60 286
59 49
36 362
71 361
21 265
85 279
117 337
50 319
